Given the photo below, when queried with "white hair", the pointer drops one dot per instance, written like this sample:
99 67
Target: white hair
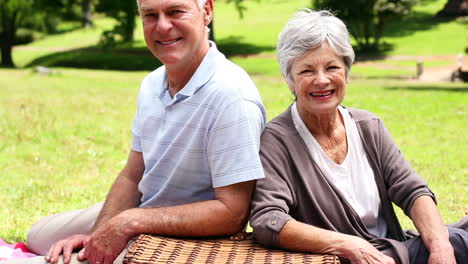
308 30
200 3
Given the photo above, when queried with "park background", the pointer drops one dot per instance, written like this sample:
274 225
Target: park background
65 130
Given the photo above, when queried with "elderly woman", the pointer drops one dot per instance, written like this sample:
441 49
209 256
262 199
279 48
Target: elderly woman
333 172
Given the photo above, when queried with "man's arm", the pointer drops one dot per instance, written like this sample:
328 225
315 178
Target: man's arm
124 192
427 219
122 196
225 215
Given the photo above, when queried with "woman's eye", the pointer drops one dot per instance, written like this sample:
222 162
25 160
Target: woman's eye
306 71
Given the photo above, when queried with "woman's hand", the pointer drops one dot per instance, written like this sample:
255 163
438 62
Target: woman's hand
359 251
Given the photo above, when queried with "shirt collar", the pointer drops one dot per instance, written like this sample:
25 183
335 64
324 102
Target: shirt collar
203 73
201 76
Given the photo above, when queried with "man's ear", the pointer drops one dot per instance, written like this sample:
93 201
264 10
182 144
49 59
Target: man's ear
208 8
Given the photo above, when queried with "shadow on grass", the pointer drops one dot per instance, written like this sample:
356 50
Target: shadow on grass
134 59
457 89
415 22
233 46
128 58
405 26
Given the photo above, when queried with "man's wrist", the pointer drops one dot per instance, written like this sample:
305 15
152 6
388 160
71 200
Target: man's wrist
131 222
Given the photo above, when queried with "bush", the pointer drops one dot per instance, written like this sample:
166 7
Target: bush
24 36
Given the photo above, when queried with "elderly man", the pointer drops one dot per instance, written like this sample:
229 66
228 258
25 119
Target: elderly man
194 154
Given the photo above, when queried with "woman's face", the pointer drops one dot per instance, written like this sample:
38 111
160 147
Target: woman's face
319 81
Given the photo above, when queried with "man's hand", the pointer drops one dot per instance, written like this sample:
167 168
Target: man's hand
108 241
359 251
66 248
441 252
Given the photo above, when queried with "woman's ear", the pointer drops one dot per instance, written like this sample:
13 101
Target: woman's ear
291 85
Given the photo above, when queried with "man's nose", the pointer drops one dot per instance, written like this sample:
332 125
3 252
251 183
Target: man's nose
164 24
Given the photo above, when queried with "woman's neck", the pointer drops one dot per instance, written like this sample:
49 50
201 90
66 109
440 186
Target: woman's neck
324 123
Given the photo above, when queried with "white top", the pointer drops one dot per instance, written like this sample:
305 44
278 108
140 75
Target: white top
206 136
354 178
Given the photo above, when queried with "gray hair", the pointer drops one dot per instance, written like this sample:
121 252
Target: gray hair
308 30
201 4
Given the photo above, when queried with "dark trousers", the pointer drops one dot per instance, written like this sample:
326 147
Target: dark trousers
419 254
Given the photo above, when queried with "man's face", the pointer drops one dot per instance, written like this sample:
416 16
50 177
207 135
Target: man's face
175 30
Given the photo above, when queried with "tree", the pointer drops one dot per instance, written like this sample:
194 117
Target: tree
124 11
86 16
454 8
31 14
240 9
12 14
366 19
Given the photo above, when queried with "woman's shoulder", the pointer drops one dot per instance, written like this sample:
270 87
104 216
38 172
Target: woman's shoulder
282 124
361 114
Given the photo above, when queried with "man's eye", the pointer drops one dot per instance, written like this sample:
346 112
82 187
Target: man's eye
175 12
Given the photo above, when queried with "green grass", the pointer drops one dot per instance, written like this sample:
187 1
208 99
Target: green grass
64 137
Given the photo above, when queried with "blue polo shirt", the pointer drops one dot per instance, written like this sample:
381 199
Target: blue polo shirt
206 136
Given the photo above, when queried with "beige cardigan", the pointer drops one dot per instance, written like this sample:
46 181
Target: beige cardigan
295 188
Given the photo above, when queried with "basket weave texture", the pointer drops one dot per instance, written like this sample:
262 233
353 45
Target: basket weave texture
157 249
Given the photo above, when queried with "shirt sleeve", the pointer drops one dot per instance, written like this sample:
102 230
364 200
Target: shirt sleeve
273 197
136 130
233 144
404 185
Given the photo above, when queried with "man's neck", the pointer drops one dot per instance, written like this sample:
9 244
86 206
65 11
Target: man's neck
178 75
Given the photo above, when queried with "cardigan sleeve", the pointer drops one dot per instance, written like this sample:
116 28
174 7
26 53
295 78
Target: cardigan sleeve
404 185
273 197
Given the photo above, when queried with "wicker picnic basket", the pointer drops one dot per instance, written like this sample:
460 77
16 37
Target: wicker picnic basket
157 249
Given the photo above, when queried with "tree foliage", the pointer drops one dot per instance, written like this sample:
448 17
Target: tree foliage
124 12
31 14
454 8
366 19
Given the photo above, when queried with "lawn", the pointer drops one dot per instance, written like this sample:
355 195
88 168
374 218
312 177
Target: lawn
64 137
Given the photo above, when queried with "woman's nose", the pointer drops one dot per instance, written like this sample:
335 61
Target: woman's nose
321 79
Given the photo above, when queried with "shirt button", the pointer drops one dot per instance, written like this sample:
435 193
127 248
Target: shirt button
274 222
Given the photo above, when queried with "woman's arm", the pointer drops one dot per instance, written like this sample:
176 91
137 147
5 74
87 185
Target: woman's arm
426 218
306 238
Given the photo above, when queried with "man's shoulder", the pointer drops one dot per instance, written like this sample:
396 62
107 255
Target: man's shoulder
156 74
231 83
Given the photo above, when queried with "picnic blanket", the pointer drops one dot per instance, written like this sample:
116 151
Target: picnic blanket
14 251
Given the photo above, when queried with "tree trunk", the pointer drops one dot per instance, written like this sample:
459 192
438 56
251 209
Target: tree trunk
86 20
211 34
7 37
454 8
129 25
7 60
